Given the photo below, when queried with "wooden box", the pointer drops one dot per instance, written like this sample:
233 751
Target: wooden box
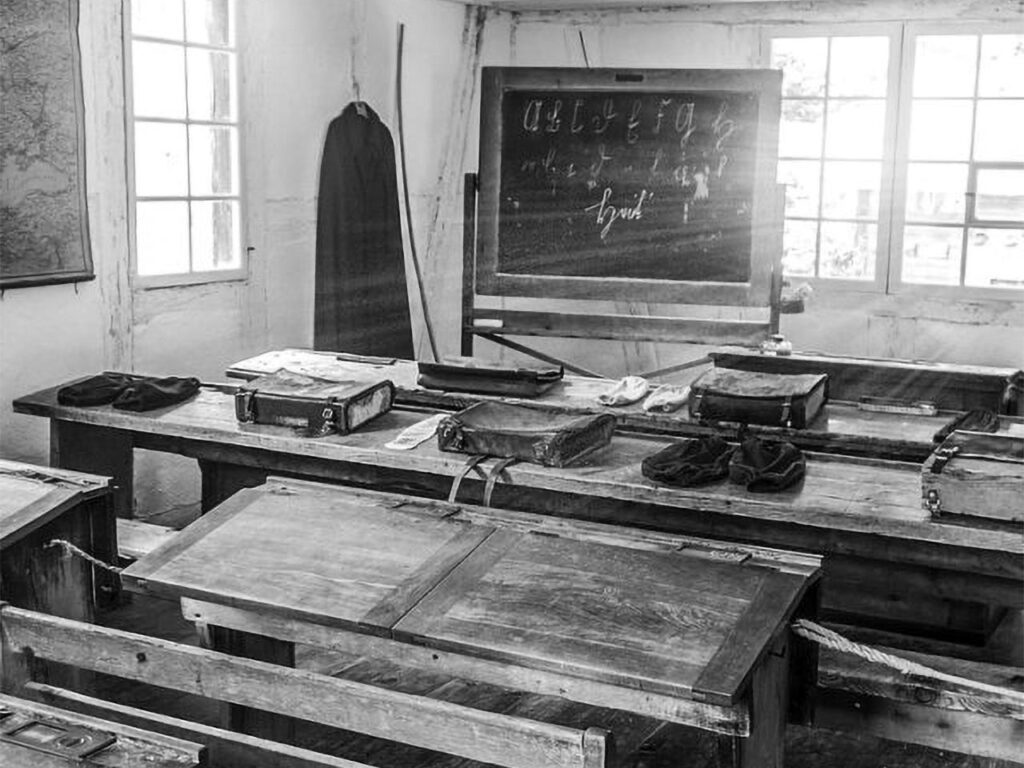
977 474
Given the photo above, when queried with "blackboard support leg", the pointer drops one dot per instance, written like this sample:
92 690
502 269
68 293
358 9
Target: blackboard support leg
540 355
469 190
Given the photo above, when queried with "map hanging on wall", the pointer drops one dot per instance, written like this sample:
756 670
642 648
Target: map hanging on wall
44 231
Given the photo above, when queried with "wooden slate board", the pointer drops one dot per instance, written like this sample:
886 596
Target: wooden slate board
31 496
324 558
651 620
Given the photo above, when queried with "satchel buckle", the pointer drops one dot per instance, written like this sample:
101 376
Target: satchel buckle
695 399
787 411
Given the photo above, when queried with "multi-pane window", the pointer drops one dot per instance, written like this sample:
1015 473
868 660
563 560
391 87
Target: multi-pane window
963 218
947 208
184 100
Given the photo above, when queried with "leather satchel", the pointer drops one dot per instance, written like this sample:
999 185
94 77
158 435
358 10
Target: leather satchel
751 397
466 374
525 433
319 406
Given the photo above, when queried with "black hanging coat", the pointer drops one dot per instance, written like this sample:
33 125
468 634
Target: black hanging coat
361 305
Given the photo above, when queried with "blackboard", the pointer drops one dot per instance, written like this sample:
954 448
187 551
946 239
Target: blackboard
617 184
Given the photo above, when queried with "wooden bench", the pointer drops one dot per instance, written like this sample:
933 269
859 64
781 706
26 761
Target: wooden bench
467 732
136 538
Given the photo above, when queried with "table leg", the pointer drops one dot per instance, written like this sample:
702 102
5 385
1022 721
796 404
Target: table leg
250 646
98 450
769 705
106 452
221 480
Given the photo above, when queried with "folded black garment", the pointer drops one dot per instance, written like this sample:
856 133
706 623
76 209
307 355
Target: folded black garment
96 390
146 394
766 466
693 461
977 420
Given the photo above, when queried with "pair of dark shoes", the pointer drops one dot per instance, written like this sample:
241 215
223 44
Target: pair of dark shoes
129 393
757 464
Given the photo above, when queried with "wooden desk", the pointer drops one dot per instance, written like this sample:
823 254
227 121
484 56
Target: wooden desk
842 427
691 632
888 564
38 504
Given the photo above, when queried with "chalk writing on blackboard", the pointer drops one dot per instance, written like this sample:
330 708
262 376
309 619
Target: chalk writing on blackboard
652 185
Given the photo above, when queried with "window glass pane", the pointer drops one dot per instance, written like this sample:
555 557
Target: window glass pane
211 77
157 18
800 132
995 258
855 129
1002 66
850 190
1000 194
209 22
940 130
215 235
936 192
848 250
931 255
161 160
799 248
859 66
158 80
999 133
801 180
161 237
802 61
944 65
213 151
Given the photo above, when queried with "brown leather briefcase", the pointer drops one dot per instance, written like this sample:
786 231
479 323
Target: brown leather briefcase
320 406
526 433
751 397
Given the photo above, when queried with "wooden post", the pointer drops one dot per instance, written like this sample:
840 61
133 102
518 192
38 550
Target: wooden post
469 187
250 646
769 705
220 481
99 450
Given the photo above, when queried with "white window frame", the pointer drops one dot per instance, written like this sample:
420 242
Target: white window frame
241 272
892 196
911 30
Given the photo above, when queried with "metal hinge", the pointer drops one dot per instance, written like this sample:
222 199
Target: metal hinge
932 501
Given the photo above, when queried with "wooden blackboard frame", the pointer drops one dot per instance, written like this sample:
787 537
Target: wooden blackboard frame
765 256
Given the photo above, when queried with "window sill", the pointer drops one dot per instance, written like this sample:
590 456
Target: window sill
157 282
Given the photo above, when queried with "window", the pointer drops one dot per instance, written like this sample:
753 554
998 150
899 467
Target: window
902 153
185 144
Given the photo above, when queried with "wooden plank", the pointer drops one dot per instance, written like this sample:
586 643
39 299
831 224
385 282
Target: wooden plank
769 702
134 746
458 730
513 322
136 538
727 720
249 750
342 566
78 446
627 617
724 680
469 187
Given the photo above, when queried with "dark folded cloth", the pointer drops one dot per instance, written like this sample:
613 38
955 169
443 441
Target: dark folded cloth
693 461
766 466
146 394
977 420
96 390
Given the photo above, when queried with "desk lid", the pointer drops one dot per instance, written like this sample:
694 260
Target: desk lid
647 611
31 496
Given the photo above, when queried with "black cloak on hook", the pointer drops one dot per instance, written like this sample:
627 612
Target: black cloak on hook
361 305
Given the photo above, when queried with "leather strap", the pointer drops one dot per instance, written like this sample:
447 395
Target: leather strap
471 462
492 477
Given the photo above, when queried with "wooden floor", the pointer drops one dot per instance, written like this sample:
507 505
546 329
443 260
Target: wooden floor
806 748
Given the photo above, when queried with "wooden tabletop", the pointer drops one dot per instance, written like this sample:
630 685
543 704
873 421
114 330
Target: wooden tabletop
31 496
656 618
841 427
844 505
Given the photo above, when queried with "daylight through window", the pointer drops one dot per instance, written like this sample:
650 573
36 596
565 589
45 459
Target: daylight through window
186 156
